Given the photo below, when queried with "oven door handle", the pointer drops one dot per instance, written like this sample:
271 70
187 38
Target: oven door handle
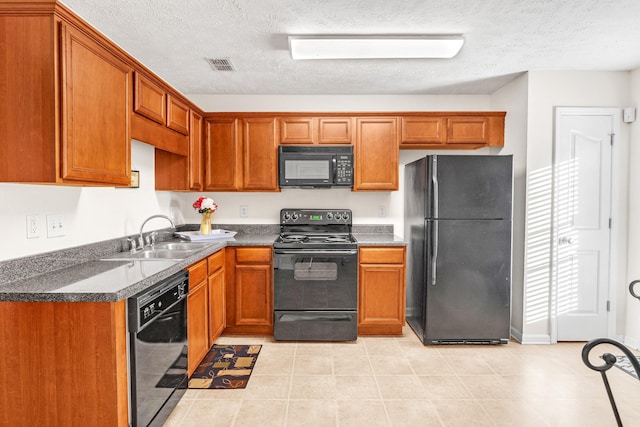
316 251
315 317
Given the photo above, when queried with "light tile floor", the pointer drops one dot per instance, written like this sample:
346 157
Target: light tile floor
396 381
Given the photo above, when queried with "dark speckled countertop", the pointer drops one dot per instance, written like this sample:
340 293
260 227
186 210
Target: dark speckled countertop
79 274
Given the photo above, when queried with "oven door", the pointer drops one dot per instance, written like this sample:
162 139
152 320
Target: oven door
315 294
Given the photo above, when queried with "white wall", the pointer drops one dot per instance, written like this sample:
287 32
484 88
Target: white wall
549 89
513 98
91 214
632 332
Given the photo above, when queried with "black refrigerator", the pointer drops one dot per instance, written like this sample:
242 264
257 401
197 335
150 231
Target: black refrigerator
458 211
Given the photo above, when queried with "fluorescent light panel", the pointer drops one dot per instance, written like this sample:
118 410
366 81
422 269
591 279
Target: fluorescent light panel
374 47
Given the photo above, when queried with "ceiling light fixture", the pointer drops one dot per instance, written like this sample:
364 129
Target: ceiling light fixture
375 47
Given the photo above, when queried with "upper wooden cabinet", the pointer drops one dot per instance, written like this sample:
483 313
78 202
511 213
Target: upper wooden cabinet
376 153
149 100
65 102
461 131
240 154
160 118
196 151
315 130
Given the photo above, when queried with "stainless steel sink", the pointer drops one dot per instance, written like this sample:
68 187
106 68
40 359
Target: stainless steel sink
161 251
180 246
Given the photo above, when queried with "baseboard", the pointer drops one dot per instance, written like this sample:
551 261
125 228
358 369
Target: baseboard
536 339
516 334
631 342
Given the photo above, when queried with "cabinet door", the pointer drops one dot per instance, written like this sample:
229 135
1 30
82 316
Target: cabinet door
260 167
197 321
96 102
197 315
467 130
177 115
422 130
376 153
223 155
334 130
381 290
296 130
217 316
253 295
149 100
195 152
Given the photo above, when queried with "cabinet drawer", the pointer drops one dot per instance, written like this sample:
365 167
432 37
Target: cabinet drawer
216 261
382 255
253 255
197 272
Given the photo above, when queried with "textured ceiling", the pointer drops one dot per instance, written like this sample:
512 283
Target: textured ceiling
503 39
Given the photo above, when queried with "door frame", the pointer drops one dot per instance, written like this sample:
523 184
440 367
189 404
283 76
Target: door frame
616 226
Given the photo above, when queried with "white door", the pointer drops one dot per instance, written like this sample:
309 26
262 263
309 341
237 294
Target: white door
582 212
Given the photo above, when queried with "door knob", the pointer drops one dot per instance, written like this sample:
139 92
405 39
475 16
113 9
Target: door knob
632 291
566 240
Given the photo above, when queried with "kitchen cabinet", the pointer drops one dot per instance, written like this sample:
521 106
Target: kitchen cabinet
63 363
376 154
452 131
381 290
196 173
176 172
159 117
240 154
315 130
197 315
249 290
216 289
65 113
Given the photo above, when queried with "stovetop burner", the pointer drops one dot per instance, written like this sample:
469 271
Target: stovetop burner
315 228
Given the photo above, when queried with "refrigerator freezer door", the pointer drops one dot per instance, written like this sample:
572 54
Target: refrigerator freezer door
469 187
469 300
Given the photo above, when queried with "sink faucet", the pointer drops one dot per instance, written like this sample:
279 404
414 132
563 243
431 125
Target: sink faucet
140 239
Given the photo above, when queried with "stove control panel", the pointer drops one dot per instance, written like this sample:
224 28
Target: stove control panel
315 216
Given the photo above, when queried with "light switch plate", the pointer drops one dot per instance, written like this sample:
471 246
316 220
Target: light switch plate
55 226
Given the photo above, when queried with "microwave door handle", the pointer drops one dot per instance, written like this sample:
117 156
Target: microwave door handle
335 169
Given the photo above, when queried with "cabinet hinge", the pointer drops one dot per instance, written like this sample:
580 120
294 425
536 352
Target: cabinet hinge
610 223
608 305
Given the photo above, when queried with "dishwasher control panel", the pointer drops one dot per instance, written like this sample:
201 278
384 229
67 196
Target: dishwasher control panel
152 302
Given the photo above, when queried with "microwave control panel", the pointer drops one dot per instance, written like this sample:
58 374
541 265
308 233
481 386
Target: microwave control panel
344 169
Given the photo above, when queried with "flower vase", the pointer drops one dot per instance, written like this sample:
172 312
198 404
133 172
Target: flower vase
205 225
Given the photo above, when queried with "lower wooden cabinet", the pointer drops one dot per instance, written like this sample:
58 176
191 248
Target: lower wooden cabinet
249 291
216 289
197 315
205 306
381 290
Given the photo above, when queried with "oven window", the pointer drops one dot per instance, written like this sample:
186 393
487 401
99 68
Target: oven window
307 169
315 269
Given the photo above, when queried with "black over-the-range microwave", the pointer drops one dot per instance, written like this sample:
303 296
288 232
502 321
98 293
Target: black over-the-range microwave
315 166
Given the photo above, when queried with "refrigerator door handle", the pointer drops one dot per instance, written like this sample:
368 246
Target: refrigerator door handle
434 224
434 248
434 180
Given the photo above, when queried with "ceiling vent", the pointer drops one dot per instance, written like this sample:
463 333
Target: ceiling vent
221 64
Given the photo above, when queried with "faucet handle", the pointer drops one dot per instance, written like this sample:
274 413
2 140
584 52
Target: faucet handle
151 238
132 245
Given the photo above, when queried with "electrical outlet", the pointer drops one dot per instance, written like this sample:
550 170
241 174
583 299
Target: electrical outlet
244 211
381 211
33 226
55 226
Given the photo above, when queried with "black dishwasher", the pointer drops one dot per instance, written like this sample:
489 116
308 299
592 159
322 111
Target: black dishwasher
157 350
